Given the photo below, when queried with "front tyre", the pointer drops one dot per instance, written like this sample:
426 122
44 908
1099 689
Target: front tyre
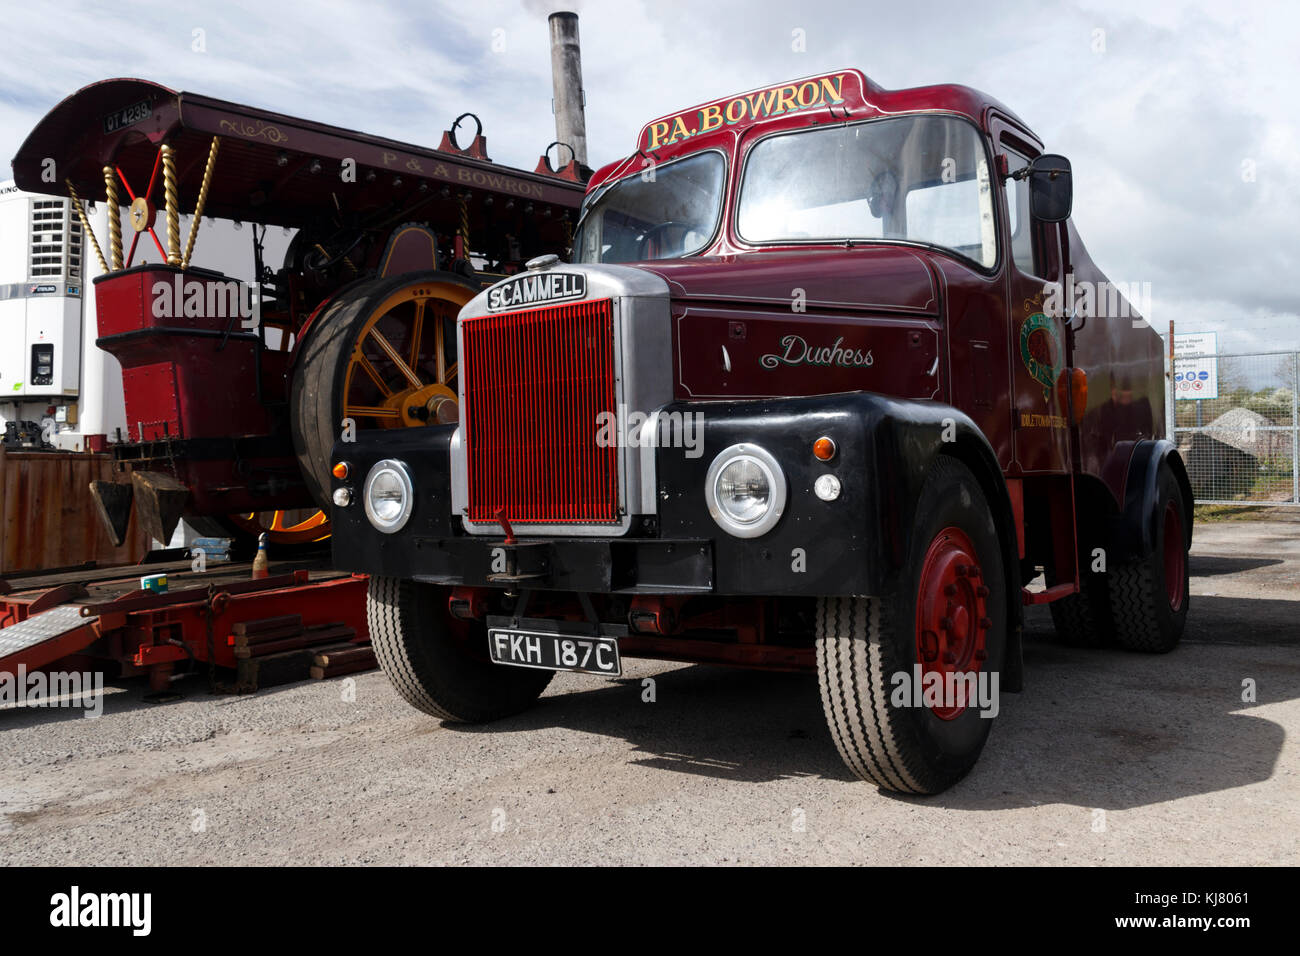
946 624
440 665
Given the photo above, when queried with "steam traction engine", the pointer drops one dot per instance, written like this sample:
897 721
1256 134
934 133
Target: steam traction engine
235 393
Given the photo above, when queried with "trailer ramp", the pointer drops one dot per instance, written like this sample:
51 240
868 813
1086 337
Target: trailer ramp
45 637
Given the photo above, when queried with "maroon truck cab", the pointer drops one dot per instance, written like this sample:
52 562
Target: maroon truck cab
830 380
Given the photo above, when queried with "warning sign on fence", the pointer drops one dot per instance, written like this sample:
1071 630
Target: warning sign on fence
1196 366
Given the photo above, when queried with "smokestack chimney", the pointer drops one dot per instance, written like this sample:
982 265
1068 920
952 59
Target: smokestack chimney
566 77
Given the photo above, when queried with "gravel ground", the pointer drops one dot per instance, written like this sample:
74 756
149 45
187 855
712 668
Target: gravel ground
1106 758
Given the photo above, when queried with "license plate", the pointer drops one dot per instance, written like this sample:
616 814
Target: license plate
551 651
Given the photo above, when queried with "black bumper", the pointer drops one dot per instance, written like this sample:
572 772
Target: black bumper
852 545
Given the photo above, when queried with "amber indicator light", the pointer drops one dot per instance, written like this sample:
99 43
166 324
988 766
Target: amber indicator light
824 449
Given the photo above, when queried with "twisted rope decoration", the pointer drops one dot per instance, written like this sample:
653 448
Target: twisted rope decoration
464 225
85 225
114 217
203 198
173 206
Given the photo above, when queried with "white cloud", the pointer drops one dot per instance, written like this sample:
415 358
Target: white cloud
1157 125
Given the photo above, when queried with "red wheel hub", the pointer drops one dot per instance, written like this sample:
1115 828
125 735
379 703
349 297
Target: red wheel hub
952 618
1175 556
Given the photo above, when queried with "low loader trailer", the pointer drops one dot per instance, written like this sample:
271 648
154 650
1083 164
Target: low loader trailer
807 397
240 629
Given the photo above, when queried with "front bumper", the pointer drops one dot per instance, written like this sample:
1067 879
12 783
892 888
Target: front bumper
851 545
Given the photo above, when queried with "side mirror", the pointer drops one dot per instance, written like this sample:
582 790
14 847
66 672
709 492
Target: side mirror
1051 189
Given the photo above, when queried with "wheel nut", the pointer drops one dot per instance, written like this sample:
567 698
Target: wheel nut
982 591
949 590
986 622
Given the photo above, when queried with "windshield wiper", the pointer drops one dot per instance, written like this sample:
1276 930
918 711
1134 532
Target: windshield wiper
595 198
613 181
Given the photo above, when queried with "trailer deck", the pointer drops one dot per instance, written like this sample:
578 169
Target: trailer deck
219 617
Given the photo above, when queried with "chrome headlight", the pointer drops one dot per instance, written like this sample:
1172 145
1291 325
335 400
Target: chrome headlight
389 495
745 490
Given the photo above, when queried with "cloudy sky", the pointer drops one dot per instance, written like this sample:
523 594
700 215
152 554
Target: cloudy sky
1180 118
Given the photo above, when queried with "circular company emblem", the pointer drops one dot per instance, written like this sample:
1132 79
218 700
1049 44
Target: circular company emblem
1042 356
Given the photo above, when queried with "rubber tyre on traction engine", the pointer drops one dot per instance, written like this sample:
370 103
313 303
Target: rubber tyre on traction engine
438 664
1149 595
949 615
382 353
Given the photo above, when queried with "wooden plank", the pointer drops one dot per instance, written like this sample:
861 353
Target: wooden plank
265 637
271 647
48 517
271 670
262 625
330 632
320 673
359 652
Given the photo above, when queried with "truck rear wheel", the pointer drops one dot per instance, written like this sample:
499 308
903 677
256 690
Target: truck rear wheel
1149 596
948 618
440 665
1083 619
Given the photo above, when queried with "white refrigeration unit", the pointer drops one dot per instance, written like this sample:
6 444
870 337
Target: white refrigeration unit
41 306
55 383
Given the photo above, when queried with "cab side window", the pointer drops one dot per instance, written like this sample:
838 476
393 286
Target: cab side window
1022 235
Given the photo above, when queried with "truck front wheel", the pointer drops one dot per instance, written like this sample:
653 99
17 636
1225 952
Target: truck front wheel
440 665
880 658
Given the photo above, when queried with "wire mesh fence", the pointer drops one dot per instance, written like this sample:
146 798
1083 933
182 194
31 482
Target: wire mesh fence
1234 419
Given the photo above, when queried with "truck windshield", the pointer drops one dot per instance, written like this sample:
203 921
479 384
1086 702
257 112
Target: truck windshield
922 178
659 213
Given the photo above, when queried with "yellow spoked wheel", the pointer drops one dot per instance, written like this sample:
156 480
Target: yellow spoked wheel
402 370
381 355
299 526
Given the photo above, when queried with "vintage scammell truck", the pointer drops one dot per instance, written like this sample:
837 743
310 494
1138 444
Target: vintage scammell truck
806 397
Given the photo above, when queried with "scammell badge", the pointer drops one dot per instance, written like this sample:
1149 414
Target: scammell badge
536 288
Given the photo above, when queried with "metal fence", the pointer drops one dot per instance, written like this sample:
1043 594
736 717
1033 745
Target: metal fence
1234 419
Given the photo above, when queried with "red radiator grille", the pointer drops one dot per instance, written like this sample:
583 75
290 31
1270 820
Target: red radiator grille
536 382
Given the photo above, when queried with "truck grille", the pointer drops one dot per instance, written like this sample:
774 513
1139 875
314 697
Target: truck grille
535 383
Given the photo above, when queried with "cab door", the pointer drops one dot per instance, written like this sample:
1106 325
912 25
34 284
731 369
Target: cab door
1038 341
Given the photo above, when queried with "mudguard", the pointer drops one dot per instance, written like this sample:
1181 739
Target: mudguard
1133 534
853 545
